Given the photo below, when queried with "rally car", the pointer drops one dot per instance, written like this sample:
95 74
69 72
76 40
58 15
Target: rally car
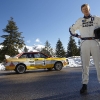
33 60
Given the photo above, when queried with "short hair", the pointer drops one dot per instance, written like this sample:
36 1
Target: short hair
85 5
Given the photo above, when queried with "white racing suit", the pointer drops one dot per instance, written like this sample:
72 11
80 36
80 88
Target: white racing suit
86 28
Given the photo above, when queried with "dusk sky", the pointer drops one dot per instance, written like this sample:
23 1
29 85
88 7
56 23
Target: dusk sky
42 20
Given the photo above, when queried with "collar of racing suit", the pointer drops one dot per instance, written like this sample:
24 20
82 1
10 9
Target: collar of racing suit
86 17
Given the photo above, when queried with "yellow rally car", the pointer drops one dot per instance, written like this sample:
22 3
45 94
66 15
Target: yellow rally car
33 60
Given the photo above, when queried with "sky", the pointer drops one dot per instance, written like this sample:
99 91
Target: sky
42 20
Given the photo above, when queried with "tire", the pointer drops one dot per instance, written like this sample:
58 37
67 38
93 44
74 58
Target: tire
20 68
58 66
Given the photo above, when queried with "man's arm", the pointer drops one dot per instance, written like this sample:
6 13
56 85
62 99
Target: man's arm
98 21
73 28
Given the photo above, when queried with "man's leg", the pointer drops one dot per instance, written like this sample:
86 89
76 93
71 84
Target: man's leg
85 57
95 51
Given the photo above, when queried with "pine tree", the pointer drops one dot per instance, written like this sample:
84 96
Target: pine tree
12 41
25 49
1 55
78 54
60 52
47 49
72 49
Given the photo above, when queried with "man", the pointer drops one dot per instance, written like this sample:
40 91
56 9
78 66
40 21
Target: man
89 43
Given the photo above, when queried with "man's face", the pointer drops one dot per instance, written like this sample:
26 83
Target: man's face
86 10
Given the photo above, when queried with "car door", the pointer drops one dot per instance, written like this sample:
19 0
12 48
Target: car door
28 60
39 62
31 61
34 61
46 61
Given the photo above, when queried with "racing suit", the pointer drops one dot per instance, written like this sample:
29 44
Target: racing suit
86 26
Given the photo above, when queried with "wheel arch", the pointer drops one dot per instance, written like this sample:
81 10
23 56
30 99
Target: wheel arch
58 65
57 62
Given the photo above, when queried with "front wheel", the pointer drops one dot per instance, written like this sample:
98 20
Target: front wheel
58 66
20 68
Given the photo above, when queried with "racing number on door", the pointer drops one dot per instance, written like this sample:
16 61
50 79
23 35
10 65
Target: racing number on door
44 63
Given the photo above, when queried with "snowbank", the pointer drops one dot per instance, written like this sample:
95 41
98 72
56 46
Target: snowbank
76 61
2 66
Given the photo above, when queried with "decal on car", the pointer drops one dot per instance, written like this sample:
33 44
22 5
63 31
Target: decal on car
44 63
32 63
11 64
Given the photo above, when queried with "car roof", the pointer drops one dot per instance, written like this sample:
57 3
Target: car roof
29 53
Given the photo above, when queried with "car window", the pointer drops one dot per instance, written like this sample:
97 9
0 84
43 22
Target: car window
23 56
37 55
43 56
26 55
30 55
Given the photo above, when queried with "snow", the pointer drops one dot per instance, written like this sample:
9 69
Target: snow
76 61
1 46
2 66
73 62
33 48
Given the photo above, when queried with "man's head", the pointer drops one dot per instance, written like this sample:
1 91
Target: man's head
85 8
